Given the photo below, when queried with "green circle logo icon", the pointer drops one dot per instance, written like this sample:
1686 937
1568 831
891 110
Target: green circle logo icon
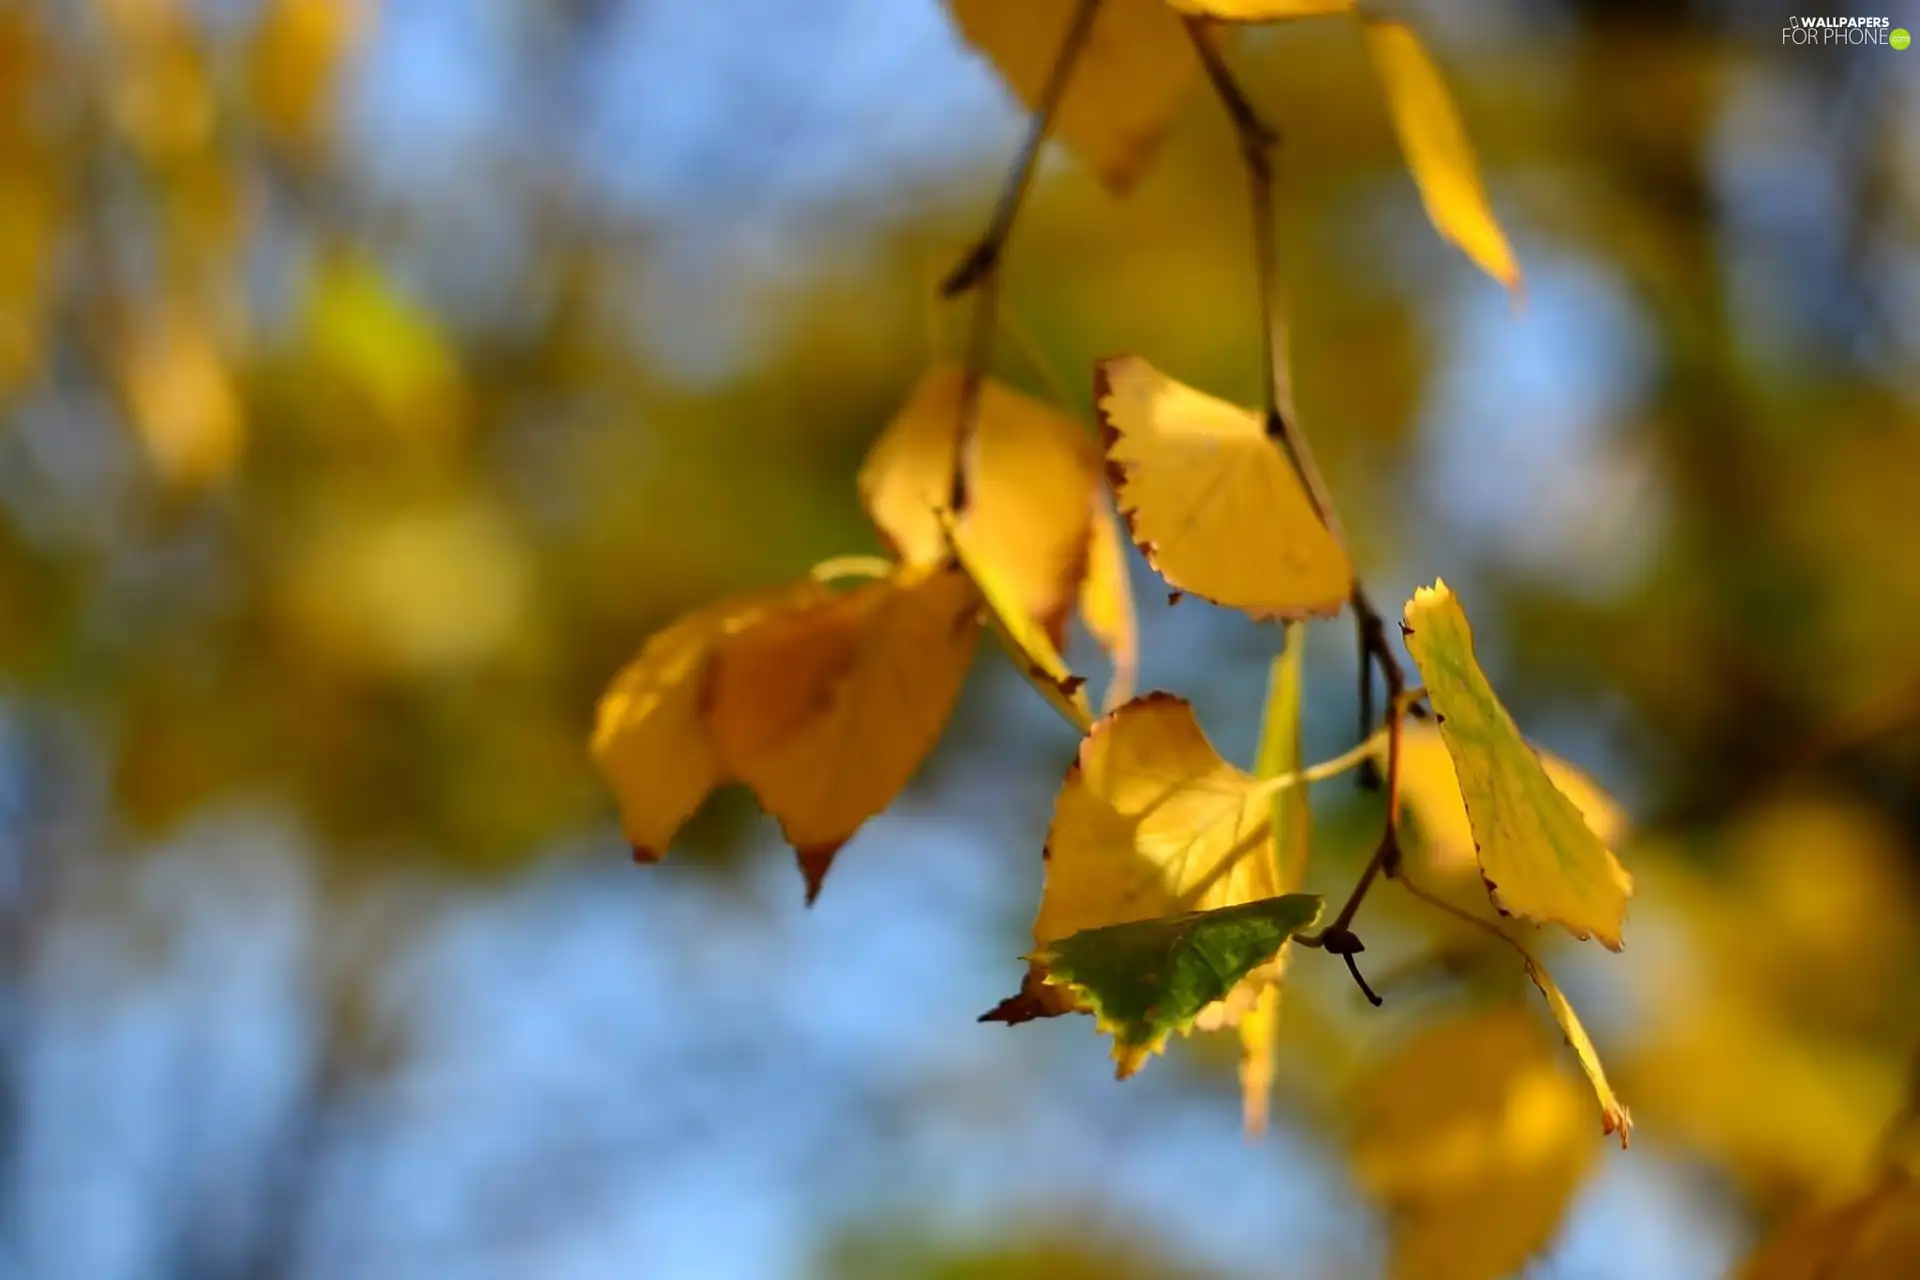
1899 39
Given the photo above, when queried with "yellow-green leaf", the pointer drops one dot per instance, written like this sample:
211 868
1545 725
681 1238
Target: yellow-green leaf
1538 857
1280 754
1434 139
1614 1116
1211 501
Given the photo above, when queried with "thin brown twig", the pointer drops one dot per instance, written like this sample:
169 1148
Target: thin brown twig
979 270
1339 938
1258 141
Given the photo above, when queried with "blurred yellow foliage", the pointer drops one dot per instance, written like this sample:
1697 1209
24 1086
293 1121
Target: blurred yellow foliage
1474 1139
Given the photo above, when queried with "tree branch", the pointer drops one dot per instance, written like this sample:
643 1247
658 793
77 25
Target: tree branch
1258 141
980 268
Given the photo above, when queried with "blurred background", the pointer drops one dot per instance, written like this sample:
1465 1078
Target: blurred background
375 375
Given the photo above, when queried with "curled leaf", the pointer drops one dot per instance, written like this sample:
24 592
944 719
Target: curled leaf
1032 476
1538 856
1106 602
1025 641
1212 501
1614 1116
1434 140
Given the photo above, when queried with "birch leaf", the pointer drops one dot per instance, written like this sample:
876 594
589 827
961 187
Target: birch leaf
1150 823
1539 858
1434 141
1212 501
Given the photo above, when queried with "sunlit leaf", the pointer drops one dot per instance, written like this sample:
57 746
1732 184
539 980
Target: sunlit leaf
650 739
1146 980
1031 482
1539 858
1474 1140
1442 855
1150 822
827 711
1135 69
1435 142
1212 501
1106 602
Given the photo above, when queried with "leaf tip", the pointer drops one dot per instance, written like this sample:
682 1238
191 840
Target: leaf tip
815 861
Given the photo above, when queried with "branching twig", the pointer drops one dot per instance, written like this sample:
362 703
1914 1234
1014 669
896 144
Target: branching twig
1257 144
980 269
1338 938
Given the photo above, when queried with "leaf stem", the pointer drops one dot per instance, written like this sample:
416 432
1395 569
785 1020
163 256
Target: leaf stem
980 269
1258 142
1339 764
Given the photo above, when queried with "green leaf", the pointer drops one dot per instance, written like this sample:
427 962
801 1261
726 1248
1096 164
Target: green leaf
1538 857
1145 980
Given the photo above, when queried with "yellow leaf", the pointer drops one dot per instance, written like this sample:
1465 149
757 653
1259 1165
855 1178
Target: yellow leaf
1025 641
1434 139
1614 1116
1474 1140
1136 67
1261 10
1150 822
1106 602
1212 501
1443 858
650 740
1031 479
1539 858
826 711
